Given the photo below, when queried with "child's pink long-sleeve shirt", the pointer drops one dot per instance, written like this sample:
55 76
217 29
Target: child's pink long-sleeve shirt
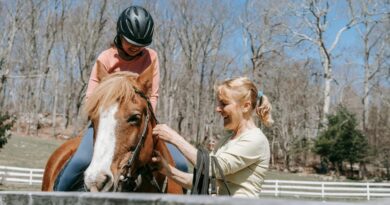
113 63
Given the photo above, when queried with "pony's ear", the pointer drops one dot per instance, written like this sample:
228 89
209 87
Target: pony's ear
101 72
145 79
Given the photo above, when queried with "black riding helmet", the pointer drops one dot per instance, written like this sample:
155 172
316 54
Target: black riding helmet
136 26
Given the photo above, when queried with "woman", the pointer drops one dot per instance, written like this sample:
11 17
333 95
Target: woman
128 53
244 154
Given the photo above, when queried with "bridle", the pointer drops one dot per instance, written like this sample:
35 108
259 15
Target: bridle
127 180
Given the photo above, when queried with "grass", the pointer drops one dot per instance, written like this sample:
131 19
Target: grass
27 152
33 152
273 175
19 187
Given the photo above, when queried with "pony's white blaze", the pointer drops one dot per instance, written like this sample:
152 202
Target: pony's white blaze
104 146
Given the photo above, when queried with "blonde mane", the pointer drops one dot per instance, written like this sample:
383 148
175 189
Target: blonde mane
115 88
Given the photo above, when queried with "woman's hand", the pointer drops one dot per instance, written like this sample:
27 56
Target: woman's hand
182 178
161 164
166 133
171 136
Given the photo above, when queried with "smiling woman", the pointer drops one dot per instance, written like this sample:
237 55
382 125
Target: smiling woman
244 154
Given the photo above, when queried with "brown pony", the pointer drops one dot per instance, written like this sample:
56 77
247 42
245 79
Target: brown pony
123 120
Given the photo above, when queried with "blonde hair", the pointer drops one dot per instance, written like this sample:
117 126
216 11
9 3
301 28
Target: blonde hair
243 89
114 88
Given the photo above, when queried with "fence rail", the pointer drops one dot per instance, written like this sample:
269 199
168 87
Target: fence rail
277 188
326 190
20 175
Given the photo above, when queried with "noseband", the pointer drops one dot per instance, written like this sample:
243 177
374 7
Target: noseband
128 181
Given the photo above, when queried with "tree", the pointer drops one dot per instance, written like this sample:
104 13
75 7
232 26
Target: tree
6 123
314 29
379 131
374 35
341 141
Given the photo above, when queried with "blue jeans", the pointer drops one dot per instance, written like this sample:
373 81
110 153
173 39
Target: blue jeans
180 160
83 157
78 163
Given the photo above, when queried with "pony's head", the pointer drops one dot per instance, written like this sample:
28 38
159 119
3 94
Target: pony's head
122 120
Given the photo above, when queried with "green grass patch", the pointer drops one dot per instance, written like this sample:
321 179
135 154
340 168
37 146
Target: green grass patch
275 175
28 152
19 187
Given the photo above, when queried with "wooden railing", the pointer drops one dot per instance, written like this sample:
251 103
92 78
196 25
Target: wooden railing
277 188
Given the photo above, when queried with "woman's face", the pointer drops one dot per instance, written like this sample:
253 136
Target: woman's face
230 110
130 49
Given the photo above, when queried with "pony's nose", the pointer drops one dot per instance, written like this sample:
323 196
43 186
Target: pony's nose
104 182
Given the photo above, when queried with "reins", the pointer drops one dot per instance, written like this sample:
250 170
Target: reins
201 182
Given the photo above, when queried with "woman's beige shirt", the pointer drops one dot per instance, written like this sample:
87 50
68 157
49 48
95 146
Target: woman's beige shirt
244 161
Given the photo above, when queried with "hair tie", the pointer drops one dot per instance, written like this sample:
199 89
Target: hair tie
260 96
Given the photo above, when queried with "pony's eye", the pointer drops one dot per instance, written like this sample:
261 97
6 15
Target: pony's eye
134 119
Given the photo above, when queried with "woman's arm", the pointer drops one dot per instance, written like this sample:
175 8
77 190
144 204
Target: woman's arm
182 178
169 135
242 153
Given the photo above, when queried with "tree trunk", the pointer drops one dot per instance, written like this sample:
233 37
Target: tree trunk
327 67
54 111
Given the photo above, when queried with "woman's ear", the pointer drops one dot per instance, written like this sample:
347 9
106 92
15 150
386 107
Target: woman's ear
145 79
101 71
246 106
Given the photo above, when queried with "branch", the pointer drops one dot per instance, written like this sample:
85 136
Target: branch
346 27
301 35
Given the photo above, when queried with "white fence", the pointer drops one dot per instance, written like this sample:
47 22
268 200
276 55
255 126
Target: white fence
20 175
277 188
326 190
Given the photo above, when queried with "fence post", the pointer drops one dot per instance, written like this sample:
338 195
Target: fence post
31 176
276 188
322 190
368 191
3 176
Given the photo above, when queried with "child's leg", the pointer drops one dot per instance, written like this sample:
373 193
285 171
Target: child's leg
180 160
78 163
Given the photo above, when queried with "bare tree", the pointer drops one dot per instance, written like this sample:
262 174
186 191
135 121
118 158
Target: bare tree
200 38
374 17
295 100
91 39
166 45
314 29
262 25
13 22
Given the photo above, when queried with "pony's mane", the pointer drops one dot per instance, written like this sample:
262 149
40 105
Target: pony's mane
115 88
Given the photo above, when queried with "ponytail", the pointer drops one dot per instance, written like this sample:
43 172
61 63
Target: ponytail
244 89
263 110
